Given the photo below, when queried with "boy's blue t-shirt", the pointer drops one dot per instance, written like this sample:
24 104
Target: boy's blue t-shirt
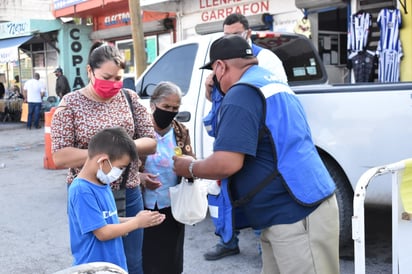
90 207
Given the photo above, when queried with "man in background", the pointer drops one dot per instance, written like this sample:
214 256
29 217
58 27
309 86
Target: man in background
62 84
33 92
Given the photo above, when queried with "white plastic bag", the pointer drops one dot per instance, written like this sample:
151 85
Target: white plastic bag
189 201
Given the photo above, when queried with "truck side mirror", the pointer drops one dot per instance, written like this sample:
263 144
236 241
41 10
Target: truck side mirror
147 91
183 116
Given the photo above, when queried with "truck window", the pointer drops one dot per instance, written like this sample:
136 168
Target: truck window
300 59
176 66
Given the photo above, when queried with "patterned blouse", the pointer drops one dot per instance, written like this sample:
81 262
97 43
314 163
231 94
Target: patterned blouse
75 124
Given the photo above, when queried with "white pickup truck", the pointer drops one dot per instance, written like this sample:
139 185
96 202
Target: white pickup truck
354 126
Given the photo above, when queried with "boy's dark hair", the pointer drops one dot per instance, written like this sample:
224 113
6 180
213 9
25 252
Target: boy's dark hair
101 53
114 142
237 17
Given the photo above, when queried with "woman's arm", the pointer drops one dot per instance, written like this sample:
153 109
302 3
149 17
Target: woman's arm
145 146
70 157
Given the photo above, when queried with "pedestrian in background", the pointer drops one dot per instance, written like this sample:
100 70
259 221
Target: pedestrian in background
101 104
33 92
62 84
95 228
163 244
263 135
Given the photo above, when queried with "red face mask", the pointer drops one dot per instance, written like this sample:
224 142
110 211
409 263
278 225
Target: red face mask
107 89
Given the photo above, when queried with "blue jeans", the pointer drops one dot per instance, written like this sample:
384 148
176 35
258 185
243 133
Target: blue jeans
133 242
34 112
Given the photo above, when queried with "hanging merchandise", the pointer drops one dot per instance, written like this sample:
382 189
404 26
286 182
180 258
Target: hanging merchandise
363 64
389 47
362 61
358 31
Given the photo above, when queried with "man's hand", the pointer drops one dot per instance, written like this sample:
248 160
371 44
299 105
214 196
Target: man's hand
181 165
209 86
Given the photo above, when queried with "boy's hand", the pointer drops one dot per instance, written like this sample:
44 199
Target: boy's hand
147 218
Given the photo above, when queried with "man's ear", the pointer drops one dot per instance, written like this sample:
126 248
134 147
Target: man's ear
249 33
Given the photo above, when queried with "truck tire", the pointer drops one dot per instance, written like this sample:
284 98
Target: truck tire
344 196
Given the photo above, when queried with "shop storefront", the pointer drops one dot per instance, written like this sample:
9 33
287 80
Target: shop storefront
109 21
25 47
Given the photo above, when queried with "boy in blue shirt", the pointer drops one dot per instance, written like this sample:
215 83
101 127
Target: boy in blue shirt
95 228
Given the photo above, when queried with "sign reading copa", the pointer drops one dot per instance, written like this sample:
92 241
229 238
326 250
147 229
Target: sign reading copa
77 58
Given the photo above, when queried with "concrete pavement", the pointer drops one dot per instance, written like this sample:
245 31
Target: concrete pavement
34 235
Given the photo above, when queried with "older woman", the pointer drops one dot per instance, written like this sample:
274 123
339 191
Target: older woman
163 245
99 105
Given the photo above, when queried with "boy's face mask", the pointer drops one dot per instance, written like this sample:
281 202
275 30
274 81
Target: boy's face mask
112 176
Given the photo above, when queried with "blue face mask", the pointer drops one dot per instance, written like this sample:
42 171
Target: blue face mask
113 175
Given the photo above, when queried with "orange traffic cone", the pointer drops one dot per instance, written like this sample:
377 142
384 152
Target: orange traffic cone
48 160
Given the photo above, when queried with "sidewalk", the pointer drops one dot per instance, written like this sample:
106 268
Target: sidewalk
36 231
11 125
34 234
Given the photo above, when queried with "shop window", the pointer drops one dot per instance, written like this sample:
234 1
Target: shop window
37 46
38 60
332 36
126 48
332 48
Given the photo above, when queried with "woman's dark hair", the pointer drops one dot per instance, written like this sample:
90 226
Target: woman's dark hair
100 53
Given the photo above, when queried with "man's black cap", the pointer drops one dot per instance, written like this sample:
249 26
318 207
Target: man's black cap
228 47
58 70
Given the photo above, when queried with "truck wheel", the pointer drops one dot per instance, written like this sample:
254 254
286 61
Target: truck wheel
344 196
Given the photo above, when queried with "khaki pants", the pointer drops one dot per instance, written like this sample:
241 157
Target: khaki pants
310 245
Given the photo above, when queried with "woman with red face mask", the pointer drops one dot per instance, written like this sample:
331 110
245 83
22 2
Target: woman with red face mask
103 104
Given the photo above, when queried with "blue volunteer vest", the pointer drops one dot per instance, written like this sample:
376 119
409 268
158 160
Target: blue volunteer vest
295 156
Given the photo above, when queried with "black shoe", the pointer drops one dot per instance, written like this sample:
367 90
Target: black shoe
219 251
38 127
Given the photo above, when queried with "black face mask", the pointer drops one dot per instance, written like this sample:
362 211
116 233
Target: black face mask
216 83
163 118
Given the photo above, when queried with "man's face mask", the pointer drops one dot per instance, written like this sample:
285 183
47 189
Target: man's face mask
216 83
163 118
113 175
105 88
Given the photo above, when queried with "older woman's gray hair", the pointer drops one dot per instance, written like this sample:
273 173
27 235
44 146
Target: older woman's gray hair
163 90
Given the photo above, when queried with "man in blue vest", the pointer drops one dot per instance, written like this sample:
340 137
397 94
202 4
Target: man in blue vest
237 24
297 211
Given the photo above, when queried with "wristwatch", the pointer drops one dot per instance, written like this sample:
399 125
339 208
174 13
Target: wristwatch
191 169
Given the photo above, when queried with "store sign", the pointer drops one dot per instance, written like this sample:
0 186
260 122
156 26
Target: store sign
77 60
116 19
213 10
13 29
61 4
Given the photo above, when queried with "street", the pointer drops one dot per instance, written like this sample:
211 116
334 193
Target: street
34 235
